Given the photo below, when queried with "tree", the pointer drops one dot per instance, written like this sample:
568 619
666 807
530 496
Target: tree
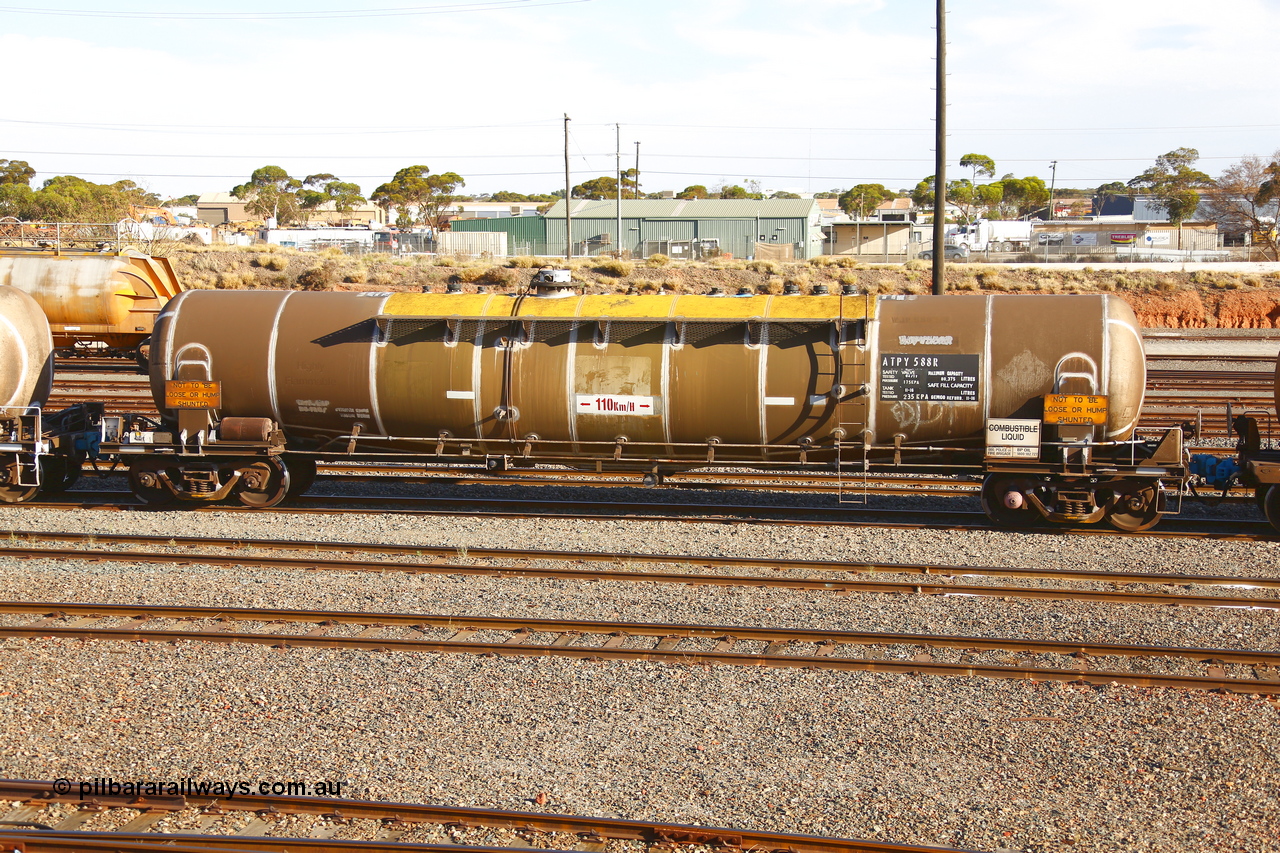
183 201
16 172
922 195
982 165
862 198
694 191
270 192
1244 200
316 190
734 191
598 189
414 187
784 194
1106 192
1024 196
1174 185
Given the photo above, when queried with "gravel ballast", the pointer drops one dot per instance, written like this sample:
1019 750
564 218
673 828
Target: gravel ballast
948 761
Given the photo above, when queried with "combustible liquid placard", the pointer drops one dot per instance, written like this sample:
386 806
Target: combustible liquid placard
616 404
192 394
1074 409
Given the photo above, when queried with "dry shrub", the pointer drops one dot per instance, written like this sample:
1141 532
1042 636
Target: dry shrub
847 261
773 285
524 262
444 261
800 280
382 278
916 288
270 261
614 267
823 261
1167 284
233 281
331 252
990 280
765 267
499 277
471 274
658 260
916 264
316 278
969 282
357 275
848 277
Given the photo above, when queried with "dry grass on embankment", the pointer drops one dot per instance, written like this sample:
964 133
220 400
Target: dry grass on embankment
1199 299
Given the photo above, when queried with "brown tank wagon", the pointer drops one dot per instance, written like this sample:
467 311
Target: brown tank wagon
97 303
26 379
1038 393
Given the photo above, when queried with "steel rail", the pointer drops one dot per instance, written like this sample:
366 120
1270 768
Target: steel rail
668 636
582 827
630 576
113 842
640 558
960 520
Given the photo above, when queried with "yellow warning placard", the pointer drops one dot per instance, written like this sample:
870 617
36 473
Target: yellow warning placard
1074 409
192 394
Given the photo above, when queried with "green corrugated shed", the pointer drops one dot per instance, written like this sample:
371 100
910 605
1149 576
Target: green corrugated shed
738 224
525 234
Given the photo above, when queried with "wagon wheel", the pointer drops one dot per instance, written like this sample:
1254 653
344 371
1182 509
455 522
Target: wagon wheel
144 482
1271 506
302 473
142 355
1260 497
1133 507
57 474
996 491
266 483
11 493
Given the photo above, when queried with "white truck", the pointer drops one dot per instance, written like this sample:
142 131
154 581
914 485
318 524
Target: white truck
992 235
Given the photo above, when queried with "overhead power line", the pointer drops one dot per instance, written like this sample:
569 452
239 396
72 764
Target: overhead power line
390 12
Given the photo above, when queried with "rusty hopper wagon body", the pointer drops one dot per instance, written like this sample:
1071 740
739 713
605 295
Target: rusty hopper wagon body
1038 394
97 303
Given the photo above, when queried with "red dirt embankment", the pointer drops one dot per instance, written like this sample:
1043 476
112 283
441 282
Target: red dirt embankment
1194 309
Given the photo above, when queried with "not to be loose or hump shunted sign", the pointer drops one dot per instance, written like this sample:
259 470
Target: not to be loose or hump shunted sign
1083 409
192 394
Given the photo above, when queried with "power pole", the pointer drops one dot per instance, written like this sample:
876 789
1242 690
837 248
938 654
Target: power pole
1053 167
940 159
637 190
617 154
568 196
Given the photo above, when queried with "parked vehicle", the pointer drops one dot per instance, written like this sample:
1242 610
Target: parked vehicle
950 253
991 235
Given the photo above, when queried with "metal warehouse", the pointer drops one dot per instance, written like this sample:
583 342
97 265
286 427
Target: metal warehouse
679 228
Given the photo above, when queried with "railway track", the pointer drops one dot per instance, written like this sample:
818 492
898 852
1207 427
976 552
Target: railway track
830 576
357 826
523 508
1255 672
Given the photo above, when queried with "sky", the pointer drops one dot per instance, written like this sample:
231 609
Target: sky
797 95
